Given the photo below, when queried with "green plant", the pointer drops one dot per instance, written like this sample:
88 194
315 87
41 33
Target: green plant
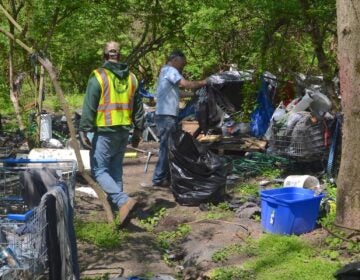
286 257
99 233
170 239
167 238
225 253
231 273
150 222
331 190
247 189
271 173
218 211
102 277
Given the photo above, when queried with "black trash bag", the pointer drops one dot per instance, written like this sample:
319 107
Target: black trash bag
350 271
197 174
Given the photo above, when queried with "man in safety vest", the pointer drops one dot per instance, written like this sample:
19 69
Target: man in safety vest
112 105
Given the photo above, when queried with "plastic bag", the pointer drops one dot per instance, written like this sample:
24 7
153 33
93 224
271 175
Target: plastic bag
260 118
350 271
197 175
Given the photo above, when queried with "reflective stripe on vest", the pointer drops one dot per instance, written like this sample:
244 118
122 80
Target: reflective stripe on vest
116 100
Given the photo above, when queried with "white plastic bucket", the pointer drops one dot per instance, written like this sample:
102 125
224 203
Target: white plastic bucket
302 181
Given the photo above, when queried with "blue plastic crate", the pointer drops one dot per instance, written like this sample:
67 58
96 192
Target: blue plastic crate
289 210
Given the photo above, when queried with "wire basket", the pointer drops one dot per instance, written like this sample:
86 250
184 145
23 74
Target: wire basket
27 254
23 246
299 142
5 152
10 170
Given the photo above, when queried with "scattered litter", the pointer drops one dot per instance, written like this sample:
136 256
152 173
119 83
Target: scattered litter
87 190
247 210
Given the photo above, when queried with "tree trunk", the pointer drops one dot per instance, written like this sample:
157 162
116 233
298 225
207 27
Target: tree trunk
348 193
13 90
13 93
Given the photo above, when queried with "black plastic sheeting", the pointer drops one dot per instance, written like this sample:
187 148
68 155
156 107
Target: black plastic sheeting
350 271
197 174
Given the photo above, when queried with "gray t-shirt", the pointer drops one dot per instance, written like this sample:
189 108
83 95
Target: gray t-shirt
167 92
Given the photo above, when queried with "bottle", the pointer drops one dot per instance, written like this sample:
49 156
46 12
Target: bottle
8 255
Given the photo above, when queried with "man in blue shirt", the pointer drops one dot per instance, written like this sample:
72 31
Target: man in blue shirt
167 109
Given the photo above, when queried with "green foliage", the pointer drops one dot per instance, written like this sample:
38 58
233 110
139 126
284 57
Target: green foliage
74 101
277 257
219 211
287 257
150 222
213 34
226 252
231 273
106 276
167 239
247 189
101 234
271 173
331 190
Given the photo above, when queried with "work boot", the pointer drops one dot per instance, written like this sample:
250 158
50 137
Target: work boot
125 209
163 184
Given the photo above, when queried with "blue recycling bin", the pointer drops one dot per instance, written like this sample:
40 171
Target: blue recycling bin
289 210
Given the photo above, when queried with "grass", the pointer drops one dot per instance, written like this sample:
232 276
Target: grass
247 189
225 253
166 239
101 234
281 258
219 211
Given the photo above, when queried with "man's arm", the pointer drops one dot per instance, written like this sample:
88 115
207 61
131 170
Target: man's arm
138 111
191 84
90 104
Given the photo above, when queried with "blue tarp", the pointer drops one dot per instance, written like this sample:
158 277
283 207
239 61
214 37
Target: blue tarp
261 116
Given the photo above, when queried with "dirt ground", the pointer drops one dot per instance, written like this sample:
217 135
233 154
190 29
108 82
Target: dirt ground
140 254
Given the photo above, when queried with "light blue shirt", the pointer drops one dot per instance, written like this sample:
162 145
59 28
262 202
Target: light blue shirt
168 92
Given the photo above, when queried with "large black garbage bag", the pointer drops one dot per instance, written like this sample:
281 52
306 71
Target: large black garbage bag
197 174
350 271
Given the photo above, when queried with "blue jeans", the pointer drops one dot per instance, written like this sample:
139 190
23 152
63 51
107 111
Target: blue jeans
165 125
108 149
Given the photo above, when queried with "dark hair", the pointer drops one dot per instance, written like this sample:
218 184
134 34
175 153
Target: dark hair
175 54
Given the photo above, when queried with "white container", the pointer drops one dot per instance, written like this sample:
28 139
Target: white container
302 181
45 127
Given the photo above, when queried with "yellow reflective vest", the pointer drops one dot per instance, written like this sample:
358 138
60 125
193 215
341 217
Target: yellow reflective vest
116 100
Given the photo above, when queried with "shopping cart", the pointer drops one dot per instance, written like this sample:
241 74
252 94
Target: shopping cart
5 152
23 251
10 175
299 143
